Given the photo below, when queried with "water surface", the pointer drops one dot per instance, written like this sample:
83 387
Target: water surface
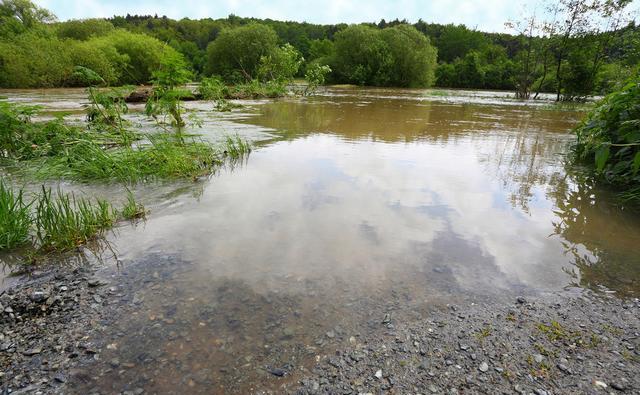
355 203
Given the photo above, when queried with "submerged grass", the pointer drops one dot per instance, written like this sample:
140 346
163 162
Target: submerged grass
235 147
163 156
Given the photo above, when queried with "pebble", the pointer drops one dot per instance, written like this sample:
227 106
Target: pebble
483 367
521 300
378 374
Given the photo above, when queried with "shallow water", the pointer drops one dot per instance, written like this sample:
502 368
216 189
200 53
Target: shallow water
356 203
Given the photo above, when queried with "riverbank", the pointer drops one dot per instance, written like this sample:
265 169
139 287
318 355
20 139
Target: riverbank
555 344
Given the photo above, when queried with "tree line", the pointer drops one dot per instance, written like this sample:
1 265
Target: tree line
573 48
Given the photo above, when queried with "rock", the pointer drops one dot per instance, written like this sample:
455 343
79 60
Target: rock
564 368
538 358
277 372
521 300
386 319
378 374
60 377
32 351
616 385
331 334
600 384
539 391
38 297
483 367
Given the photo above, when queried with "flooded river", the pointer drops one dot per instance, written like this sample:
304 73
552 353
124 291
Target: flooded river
355 204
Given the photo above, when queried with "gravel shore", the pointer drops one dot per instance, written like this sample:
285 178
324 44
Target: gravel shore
553 344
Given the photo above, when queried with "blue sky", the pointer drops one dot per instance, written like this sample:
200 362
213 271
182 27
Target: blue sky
488 15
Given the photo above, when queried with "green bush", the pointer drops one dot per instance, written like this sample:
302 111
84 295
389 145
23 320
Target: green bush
395 56
609 139
235 54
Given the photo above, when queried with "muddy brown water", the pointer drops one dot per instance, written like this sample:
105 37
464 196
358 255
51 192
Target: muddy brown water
356 203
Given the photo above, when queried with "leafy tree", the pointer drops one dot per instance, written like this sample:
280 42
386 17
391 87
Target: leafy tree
280 65
414 59
236 53
19 16
83 29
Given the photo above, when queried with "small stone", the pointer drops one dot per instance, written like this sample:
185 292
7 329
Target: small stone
600 384
331 334
433 389
278 372
483 367
539 391
564 368
32 351
60 377
378 374
38 297
521 300
386 319
618 386
463 347
538 358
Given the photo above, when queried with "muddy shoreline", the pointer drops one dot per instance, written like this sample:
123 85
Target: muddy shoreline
54 328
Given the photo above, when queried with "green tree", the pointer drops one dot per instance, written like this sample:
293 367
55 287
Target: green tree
236 53
414 59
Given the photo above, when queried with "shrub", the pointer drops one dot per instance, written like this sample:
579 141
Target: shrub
609 139
235 54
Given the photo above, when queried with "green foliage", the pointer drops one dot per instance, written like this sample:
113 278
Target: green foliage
235 54
18 16
132 209
413 58
395 56
213 88
64 222
315 76
36 59
609 139
15 218
235 147
280 65
83 29
168 91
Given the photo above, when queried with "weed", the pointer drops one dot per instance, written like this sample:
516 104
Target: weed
132 209
555 331
235 147
64 222
484 333
15 218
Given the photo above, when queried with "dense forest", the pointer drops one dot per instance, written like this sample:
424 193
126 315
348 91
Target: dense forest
581 48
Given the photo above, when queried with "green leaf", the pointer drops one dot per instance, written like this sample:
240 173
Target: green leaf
602 155
636 163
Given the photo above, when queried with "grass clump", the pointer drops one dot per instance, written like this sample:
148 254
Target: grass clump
162 156
15 218
133 210
63 222
50 222
235 147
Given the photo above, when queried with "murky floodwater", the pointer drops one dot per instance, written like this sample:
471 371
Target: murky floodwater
356 203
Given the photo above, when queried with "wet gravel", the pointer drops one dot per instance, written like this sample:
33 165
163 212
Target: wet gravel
554 344
53 326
